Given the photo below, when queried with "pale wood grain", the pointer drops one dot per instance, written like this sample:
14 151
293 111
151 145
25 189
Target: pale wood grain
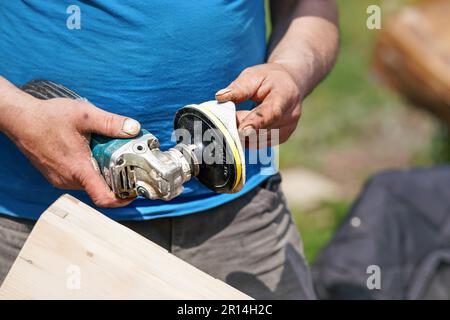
115 262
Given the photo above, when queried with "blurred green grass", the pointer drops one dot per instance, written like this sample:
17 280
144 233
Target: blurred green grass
332 115
339 110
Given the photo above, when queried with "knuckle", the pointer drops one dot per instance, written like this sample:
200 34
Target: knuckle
81 104
237 85
276 110
100 202
56 181
108 123
80 176
81 111
248 73
297 114
296 95
271 82
277 113
105 201
278 75
80 107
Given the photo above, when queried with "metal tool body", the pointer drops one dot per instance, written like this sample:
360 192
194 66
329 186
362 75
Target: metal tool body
137 166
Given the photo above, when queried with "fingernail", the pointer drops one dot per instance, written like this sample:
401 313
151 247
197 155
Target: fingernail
131 127
248 131
223 92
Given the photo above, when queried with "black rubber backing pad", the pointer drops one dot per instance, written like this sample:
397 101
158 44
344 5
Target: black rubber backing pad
219 177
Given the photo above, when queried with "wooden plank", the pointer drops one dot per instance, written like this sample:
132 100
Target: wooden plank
75 252
412 55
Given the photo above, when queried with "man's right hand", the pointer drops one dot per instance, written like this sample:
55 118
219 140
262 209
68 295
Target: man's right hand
54 134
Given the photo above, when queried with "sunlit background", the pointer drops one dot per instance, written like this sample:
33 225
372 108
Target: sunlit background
352 127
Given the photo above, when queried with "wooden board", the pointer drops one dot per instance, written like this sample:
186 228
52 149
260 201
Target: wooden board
75 252
413 55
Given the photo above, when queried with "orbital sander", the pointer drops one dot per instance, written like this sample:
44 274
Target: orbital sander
208 148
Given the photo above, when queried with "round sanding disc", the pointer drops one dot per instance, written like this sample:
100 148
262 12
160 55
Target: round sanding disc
220 163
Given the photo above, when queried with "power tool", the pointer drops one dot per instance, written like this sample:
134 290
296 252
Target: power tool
137 167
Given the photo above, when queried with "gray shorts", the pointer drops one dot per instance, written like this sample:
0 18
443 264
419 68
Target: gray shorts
251 243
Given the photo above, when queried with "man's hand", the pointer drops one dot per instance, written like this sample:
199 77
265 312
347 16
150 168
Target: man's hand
302 50
54 134
277 95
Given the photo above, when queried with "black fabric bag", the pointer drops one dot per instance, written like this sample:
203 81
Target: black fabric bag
400 223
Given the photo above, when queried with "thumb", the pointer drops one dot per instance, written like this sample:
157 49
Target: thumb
245 87
109 124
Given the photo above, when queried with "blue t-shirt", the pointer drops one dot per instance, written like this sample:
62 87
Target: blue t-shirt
142 59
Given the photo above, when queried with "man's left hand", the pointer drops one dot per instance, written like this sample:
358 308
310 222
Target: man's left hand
277 96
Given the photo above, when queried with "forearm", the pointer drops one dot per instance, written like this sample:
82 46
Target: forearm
305 39
11 101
